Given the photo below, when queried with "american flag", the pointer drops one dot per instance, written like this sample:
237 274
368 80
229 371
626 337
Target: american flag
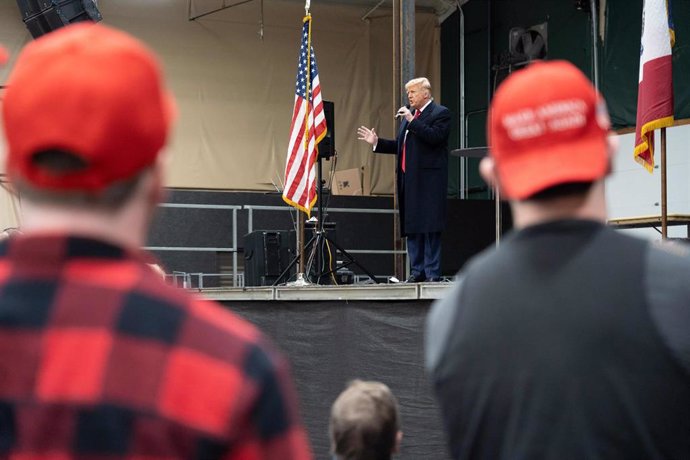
307 130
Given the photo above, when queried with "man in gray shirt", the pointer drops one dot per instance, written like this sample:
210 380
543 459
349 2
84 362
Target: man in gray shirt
572 340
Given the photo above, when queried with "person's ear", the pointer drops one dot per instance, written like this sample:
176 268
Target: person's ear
487 169
158 193
612 144
398 442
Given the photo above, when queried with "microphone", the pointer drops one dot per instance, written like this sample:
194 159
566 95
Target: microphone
398 115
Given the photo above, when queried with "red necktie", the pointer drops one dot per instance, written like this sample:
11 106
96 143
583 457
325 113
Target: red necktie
416 115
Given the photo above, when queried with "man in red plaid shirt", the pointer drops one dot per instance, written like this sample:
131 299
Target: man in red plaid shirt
99 358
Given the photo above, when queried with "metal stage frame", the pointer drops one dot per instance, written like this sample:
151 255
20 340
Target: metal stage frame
363 292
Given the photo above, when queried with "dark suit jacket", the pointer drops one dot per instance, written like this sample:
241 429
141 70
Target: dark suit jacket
422 189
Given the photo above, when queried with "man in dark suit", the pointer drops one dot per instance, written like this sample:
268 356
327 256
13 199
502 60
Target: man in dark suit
422 176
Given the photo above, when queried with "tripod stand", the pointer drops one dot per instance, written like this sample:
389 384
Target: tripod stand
316 244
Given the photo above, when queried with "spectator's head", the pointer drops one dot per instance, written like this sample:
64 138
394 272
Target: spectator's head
85 116
365 423
548 133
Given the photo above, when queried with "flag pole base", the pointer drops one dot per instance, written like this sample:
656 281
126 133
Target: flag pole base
300 281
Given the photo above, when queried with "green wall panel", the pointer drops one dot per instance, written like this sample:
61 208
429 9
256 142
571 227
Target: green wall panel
450 92
477 88
487 26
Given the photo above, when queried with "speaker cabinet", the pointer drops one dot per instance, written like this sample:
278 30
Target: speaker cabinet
43 16
327 144
266 255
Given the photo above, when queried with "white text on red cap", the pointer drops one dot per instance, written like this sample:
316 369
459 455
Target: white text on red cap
554 116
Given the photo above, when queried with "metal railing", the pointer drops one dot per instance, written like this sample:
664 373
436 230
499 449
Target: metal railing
185 279
252 208
233 249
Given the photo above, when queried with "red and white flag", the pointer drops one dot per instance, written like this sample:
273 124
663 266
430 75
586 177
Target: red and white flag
307 130
655 91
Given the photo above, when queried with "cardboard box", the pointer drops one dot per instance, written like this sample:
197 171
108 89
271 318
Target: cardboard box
347 182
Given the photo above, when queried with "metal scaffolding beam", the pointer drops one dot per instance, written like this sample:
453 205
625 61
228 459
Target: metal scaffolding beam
403 71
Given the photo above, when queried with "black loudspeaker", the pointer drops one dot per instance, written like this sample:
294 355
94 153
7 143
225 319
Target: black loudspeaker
327 144
43 16
526 45
266 255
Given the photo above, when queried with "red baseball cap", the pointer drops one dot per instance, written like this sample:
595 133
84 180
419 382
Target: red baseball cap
4 55
90 90
547 126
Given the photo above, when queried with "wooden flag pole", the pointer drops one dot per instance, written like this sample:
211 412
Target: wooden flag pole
300 220
664 211
300 240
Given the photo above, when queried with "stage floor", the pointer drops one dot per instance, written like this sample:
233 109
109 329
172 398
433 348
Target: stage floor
397 291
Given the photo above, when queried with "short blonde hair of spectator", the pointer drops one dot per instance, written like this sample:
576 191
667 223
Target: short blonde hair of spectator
421 82
365 422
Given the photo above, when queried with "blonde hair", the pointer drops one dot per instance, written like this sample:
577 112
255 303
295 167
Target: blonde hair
364 422
423 82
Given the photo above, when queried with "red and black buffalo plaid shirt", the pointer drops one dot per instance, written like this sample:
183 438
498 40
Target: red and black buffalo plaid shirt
99 359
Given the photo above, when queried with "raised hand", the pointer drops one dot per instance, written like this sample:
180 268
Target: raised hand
367 135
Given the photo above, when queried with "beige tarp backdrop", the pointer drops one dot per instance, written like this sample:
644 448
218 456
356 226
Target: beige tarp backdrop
235 89
13 35
9 208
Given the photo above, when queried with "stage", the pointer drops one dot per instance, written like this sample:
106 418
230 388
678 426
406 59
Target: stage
313 292
331 334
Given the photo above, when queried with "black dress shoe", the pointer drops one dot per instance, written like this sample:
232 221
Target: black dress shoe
416 278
